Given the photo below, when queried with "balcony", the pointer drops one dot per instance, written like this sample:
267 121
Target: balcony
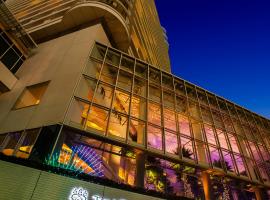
48 18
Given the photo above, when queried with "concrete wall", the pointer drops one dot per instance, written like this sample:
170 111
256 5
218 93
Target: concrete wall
6 77
23 183
59 61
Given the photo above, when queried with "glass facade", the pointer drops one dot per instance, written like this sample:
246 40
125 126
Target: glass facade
140 126
132 102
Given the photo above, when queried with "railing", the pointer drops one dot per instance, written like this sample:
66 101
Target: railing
35 15
15 27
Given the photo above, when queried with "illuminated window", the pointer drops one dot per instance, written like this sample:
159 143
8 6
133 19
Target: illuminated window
2 138
97 120
168 98
184 126
112 57
222 139
103 95
210 135
169 119
181 104
32 95
109 74
137 131
86 88
139 87
121 102
228 161
154 137
187 148
138 107
154 93
240 165
118 124
127 64
93 69
98 52
78 113
171 144
215 157
12 141
154 113
28 142
124 80
234 143
141 69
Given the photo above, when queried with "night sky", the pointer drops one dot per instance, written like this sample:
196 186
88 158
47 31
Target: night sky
222 46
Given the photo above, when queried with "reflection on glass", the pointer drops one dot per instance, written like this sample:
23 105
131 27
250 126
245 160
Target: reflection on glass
13 139
187 148
139 87
109 74
154 113
154 75
210 135
168 98
154 93
228 161
127 64
169 119
28 142
121 102
141 69
103 95
118 124
240 165
137 131
138 107
167 81
215 157
86 88
112 57
233 142
222 139
124 80
93 69
171 145
184 126
154 137
85 155
97 120
98 52
181 104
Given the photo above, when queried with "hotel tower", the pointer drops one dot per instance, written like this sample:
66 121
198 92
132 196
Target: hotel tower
89 110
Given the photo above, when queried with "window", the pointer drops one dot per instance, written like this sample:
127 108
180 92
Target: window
31 96
154 137
12 141
10 55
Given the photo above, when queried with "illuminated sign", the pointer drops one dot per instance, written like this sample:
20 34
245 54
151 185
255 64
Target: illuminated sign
78 193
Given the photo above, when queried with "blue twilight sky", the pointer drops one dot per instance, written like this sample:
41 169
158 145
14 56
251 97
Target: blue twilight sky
222 46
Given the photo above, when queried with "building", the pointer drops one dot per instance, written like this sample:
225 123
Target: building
85 113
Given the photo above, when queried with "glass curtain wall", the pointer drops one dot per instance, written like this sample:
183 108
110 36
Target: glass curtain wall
127 100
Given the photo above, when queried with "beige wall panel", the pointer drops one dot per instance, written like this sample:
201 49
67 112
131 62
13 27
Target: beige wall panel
17 182
59 61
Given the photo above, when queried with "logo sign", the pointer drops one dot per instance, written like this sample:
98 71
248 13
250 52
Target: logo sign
79 193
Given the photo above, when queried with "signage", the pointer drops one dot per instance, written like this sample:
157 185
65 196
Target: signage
79 193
